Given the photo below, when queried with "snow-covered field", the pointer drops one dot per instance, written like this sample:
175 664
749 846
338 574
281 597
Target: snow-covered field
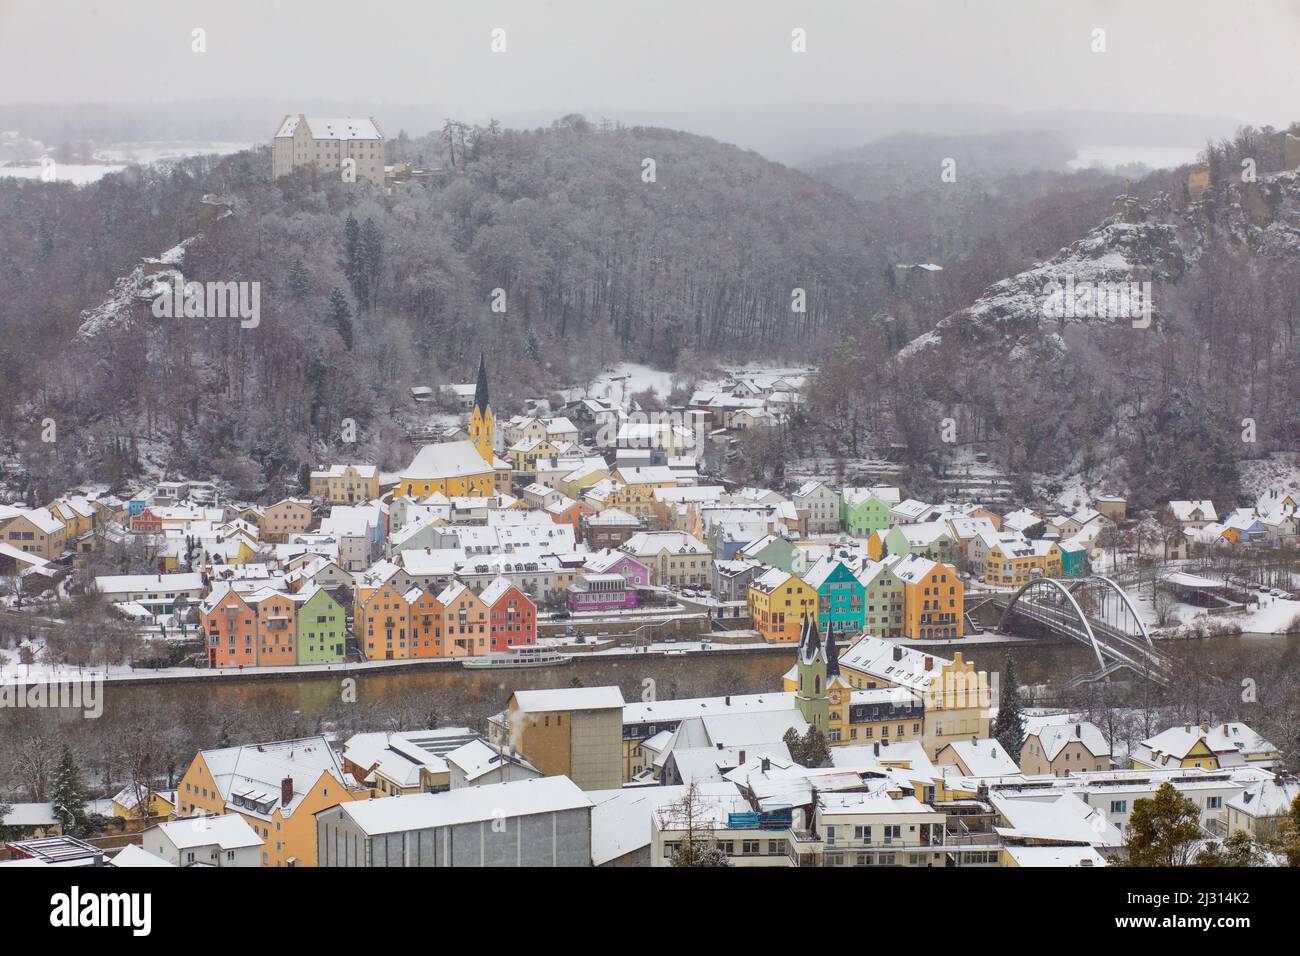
1153 157
152 152
63 172
115 157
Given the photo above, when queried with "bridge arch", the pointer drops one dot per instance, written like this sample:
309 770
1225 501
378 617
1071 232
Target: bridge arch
1128 603
1051 584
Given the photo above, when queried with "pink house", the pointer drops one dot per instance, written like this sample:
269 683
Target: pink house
600 592
636 574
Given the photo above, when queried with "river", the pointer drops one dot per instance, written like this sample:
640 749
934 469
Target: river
475 694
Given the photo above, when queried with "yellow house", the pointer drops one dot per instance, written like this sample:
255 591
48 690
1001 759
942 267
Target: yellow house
954 698
36 532
1206 746
285 517
525 452
345 484
77 514
778 603
581 478
276 787
934 604
135 803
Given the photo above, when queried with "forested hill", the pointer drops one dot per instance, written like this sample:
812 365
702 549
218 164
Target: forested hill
596 264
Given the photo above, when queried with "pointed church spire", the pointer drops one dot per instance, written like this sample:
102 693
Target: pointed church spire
480 386
832 657
810 641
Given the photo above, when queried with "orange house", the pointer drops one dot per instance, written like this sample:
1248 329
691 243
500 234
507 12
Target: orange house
934 603
383 617
277 627
277 787
231 629
426 615
570 512
465 621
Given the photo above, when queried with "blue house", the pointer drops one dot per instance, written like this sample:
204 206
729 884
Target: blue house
1074 559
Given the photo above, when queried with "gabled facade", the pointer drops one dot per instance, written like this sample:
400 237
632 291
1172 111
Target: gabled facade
231 629
382 621
322 627
840 597
778 603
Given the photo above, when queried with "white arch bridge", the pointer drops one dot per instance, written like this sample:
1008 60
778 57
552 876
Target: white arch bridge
1094 611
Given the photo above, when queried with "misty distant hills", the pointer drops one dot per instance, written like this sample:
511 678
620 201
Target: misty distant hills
792 133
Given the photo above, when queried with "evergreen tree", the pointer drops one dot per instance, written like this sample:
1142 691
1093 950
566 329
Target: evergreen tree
68 795
1237 850
299 280
1287 840
794 745
43 238
1009 727
341 316
816 749
352 252
1164 830
371 262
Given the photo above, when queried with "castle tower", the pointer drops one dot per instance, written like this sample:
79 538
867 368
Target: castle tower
481 427
812 698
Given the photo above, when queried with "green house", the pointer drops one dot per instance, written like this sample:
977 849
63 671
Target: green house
772 550
322 631
864 510
883 605
839 596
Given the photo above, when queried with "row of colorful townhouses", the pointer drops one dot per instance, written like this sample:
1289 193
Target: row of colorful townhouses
455 622
268 627
911 597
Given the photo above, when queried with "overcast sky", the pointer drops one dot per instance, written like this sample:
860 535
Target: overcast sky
1228 57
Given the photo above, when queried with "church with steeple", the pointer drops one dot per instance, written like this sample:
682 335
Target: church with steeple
481 425
817 672
461 468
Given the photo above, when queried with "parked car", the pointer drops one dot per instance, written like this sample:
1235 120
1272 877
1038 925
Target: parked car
560 616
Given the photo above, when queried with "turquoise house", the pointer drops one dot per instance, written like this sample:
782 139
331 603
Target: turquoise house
840 597
1074 559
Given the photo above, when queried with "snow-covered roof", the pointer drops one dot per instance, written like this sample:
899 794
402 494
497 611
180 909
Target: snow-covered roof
336 128
568 699
1054 737
423 811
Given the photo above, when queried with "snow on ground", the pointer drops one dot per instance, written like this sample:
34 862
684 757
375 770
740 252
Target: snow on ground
152 152
63 172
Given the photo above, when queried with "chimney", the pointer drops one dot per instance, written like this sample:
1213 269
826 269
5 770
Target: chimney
877 750
286 791
741 761
727 700
898 653
1205 726
767 764
929 663
1078 730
